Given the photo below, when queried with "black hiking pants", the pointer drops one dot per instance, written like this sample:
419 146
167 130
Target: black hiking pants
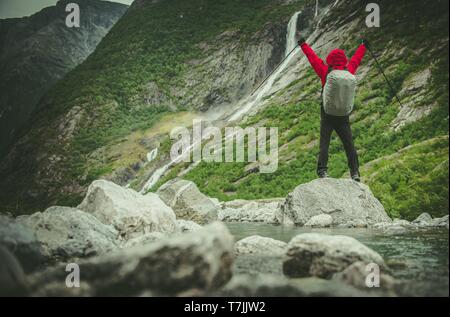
342 127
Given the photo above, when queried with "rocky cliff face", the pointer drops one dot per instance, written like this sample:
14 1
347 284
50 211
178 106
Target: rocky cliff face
37 51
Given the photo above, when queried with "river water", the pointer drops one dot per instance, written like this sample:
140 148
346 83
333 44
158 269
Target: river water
421 260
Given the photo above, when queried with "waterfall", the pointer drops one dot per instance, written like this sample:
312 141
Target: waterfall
291 40
291 43
249 102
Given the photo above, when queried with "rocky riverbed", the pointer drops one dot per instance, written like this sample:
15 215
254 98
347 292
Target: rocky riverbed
324 239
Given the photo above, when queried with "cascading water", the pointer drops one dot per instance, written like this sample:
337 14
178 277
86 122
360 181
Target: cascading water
249 102
264 89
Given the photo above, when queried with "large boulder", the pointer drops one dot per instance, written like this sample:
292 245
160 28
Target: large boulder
21 242
258 245
342 199
250 211
66 233
199 260
188 202
313 254
131 213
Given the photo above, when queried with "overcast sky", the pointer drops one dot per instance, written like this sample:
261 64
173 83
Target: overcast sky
20 8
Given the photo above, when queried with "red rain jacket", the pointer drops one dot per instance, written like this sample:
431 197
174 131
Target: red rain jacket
336 59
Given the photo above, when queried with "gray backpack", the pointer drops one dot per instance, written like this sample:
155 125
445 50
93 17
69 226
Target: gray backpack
338 94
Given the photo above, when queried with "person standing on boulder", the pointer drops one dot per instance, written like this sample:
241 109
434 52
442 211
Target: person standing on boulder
338 92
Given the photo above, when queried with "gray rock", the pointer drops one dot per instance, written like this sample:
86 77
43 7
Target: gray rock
267 285
131 213
440 222
200 260
320 221
313 254
188 226
343 199
12 278
357 275
423 220
21 242
188 202
250 211
260 246
66 233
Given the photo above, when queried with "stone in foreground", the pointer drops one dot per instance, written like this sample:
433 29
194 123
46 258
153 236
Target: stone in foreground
188 202
21 242
342 199
268 285
199 260
313 254
66 233
358 276
131 213
12 278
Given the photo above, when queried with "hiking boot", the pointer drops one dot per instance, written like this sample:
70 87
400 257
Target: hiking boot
356 178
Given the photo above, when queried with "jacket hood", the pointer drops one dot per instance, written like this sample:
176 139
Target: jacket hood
337 58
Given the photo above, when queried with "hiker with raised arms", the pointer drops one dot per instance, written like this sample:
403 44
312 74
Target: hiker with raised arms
338 94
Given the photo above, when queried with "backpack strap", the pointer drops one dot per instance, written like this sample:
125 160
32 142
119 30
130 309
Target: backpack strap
330 69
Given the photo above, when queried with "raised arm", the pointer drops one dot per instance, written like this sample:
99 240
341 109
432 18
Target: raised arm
316 62
356 60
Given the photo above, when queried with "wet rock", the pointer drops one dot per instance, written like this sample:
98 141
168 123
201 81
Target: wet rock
188 202
250 211
342 199
320 255
21 242
12 278
188 226
440 222
260 246
200 260
424 220
320 221
131 213
66 233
